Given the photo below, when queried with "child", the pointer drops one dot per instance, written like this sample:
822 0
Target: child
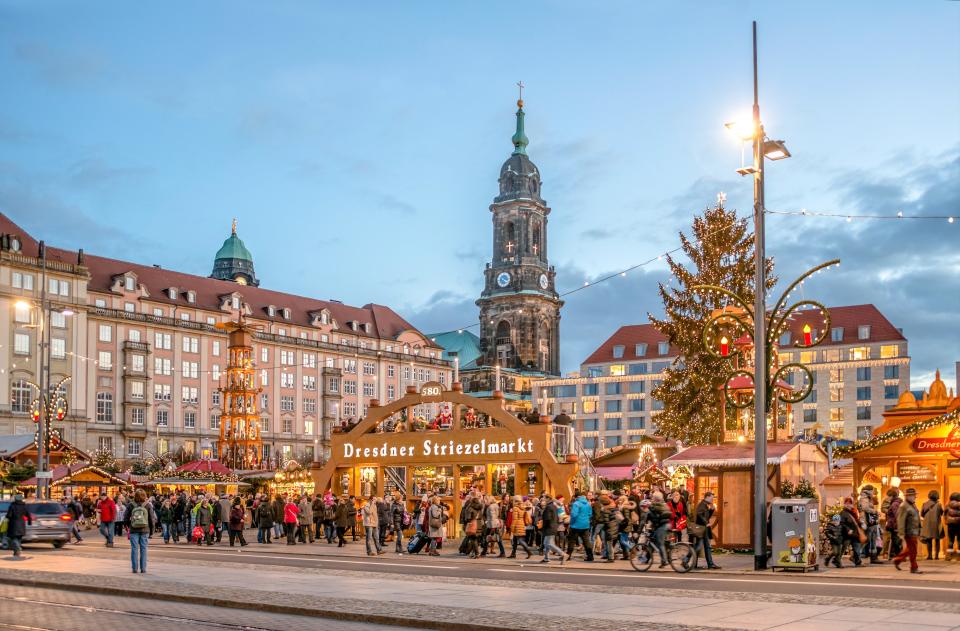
834 532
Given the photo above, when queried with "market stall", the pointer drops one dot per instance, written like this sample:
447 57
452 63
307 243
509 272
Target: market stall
197 476
77 480
500 455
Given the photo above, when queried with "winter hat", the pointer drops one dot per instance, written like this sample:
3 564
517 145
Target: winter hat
835 519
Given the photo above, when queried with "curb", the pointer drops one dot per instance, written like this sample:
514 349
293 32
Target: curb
392 620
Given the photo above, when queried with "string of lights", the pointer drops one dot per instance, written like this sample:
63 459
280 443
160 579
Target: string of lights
803 212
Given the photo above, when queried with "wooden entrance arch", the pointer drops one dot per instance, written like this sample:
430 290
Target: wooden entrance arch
360 455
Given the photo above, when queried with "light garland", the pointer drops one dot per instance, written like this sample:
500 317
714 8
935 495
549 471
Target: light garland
803 212
904 431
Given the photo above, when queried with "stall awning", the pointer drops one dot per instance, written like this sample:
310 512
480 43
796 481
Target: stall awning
622 472
188 482
738 455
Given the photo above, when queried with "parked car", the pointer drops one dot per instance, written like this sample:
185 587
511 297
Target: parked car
51 523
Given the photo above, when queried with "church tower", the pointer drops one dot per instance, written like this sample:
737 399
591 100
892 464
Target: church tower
519 305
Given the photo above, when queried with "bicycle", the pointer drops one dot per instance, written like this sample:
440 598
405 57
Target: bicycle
681 555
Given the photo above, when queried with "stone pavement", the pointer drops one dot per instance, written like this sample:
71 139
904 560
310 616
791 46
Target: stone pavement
731 563
442 603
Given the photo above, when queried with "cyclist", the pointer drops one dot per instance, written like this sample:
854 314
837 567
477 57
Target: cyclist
659 518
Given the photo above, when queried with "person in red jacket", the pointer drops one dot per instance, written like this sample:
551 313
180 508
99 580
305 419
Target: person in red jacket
290 512
108 514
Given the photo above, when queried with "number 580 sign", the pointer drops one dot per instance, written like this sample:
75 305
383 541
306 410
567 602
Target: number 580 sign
431 389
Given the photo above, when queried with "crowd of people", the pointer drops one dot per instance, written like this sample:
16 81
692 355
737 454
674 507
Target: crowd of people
605 524
893 528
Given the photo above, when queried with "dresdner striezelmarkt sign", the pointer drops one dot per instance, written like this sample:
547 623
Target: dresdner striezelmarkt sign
431 447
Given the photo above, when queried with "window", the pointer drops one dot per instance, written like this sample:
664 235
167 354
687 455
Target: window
286 380
350 366
21 344
105 444
134 447
161 392
264 401
189 395
162 366
864 432
100 303
836 392
635 387
309 382
216 348
836 375
21 312
637 369
129 307
785 338
215 372
157 311
23 281
163 418
133 335
891 372
137 390
836 334
369 368
786 358
618 351
369 389
659 367
309 360
189 420
863 413
594 371
286 404
406 373
863 373
20 399
591 389
863 332
612 441
58 320
636 422
635 405
863 393
309 406
162 341
129 283
391 393
349 386
618 370
104 407
190 369
287 425
808 357
888 351
190 344
612 405
663 348
264 425
891 392
334 385
215 421
612 387
589 424
264 378
656 405
859 352
235 302
810 416
613 424
640 350
287 358
264 354
59 287
215 399
106 333
105 360
590 442
836 414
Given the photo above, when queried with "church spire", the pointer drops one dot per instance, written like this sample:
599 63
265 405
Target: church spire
520 141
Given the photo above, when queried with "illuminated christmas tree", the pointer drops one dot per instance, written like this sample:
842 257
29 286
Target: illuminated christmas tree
720 251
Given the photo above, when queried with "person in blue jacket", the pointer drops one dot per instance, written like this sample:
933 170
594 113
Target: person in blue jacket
580 514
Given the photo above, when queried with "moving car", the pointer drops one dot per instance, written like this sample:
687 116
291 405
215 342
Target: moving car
51 523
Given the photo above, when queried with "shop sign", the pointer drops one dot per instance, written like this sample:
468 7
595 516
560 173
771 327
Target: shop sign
909 472
433 448
950 443
953 464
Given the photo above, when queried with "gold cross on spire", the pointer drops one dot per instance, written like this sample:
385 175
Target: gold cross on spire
520 100
233 226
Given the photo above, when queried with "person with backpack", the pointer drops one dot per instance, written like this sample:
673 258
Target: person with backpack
140 520
264 521
235 522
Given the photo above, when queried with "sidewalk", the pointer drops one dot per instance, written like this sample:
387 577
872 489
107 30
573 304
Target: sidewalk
450 603
735 564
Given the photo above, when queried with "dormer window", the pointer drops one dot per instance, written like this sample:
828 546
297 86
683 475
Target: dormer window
324 317
235 302
618 351
271 311
172 293
286 313
863 332
191 296
640 350
366 328
353 325
130 283
785 339
663 348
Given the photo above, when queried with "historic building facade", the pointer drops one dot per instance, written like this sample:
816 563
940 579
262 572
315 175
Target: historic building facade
147 358
519 305
860 370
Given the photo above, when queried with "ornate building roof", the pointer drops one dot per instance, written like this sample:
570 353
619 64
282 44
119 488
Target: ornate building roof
234 261
519 176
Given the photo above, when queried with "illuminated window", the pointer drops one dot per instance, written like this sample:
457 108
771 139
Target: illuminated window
618 370
808 357
589 407
860 352
890 350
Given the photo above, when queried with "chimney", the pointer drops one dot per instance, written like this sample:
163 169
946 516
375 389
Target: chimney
80 256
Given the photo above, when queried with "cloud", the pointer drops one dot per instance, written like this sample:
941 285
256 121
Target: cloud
62 67
597 234
392 204
95 172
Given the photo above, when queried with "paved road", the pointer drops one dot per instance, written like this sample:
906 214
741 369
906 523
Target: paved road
779 583
33 609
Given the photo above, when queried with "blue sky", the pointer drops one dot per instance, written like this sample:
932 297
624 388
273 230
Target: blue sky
359 146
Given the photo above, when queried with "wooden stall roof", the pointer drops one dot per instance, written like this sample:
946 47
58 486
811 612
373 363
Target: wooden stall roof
731 455
63 474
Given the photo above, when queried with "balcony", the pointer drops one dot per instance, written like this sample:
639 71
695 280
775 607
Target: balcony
138 347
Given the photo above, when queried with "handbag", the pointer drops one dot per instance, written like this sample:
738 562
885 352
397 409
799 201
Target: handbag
861 536
681 522
697 530
471 528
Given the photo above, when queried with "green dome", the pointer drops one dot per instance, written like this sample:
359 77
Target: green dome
233 248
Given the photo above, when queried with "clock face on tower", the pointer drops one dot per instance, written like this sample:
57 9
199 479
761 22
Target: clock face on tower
543 281
503 279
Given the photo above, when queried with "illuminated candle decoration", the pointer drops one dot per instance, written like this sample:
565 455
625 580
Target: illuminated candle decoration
807 335
724 346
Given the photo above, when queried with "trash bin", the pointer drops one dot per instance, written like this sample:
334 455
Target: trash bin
795 533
